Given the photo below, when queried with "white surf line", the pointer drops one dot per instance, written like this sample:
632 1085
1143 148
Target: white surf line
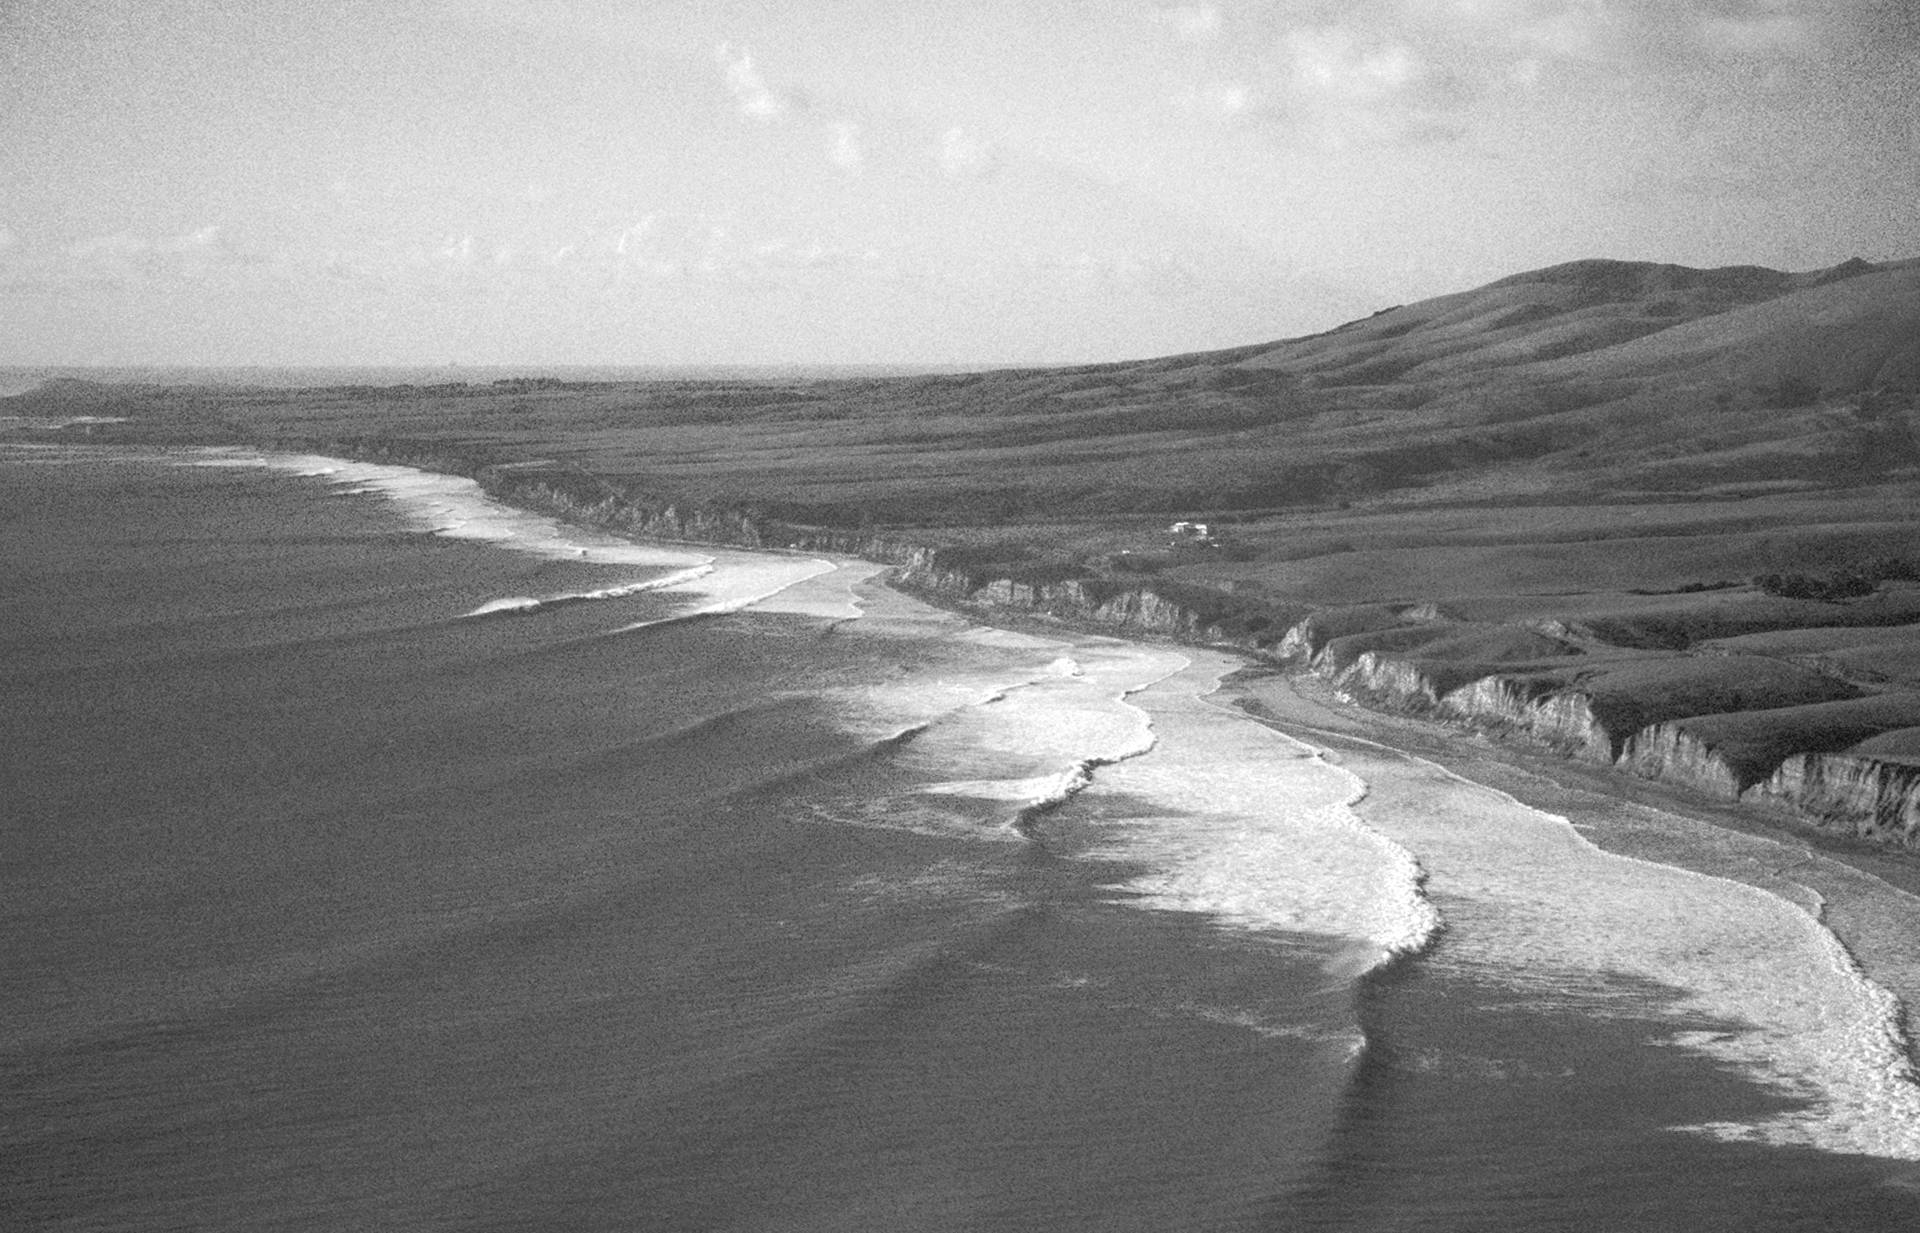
458 508
829 595
1056 790
737 584
1077 720
1261 834
1230 844
524 604
956 708
74 453
730 580
1553 915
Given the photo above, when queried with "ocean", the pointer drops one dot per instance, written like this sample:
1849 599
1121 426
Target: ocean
377 857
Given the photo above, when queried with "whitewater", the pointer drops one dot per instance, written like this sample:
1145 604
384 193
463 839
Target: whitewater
1256 830
389 857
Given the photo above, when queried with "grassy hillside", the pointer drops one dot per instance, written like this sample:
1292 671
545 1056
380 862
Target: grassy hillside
1598 460
1600 424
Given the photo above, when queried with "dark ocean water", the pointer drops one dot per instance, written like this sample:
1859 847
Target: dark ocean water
329 905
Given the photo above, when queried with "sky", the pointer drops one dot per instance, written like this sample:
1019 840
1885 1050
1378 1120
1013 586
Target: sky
545 182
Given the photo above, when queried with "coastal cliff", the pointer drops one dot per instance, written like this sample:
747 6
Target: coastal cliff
1668 753
936 571
1120 609
1756 757
1663 715
1651 715
1876 799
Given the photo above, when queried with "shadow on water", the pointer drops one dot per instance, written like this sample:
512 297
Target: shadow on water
1475 1110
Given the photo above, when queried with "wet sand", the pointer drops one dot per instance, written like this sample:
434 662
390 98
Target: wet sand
1869 899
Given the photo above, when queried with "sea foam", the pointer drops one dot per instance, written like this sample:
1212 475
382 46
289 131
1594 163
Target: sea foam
522 604
718 580
1744 976
1257 831
458 508
1225 818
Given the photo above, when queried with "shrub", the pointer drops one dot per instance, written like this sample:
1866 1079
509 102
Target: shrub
1046 573
1892 568
1847 584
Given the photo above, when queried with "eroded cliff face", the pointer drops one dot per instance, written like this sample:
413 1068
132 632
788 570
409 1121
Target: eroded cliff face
1874 799
1309 640
580 497
1394 683
1868 797
1138 608
575 498
1670 754
1497 699
1504 705
1134 609
1566 722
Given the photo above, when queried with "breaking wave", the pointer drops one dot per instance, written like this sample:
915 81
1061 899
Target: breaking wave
1225 818
1750 978
524 605
720 581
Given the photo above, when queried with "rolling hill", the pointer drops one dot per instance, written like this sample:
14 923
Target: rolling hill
1596 380
1655 516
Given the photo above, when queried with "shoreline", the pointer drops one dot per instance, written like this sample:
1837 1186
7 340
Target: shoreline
1849 823
1333 713
1862 898
1879 902
1867 897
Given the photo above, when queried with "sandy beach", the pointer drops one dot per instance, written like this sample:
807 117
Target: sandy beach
1868 898
1561 887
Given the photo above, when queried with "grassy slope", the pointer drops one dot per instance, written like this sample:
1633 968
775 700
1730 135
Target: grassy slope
1576 450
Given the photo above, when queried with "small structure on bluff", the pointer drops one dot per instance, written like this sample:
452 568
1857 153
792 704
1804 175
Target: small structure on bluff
1193 532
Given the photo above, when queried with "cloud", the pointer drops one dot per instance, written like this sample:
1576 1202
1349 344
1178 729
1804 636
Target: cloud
634 237
1161 274
750 91
1227 98
1339 86
664 244
846 152
1555 29
124 259
668 245
120 248
1757 35
123 254
1624 33
962 155
205 240
1336 63
1192 23
1415 71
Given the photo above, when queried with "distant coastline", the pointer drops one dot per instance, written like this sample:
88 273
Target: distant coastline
25 378
1647 517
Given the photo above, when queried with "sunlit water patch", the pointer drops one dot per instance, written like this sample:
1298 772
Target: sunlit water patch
1747 977
716 580
1257 831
